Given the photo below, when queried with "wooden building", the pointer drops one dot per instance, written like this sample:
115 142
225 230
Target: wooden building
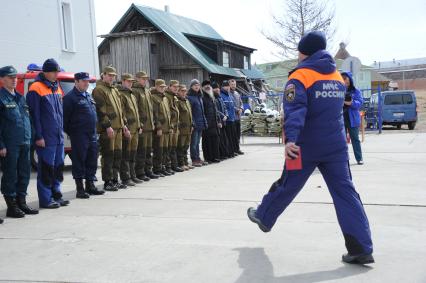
169 46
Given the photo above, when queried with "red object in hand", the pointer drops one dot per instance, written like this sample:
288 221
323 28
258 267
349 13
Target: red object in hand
294 164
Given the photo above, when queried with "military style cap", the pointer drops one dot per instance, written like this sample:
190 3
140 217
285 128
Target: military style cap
127 77
182 87
142 75
173 82
109 70
82 76
159 82
8 71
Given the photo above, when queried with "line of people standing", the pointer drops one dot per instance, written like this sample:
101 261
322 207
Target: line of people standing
141 133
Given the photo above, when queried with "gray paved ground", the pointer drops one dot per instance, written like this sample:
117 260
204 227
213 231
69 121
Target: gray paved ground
192 227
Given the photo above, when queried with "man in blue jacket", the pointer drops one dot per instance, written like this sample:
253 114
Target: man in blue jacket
314 132
44 99
195 97
15 138
230 121
353 103
80 124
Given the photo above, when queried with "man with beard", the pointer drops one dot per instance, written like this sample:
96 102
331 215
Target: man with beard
230 121
211 134
223 116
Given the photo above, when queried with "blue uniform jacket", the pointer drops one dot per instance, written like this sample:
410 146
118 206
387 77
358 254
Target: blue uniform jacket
228 100
357 102
79 113
197 107
15 125
313 106
44 99
220 105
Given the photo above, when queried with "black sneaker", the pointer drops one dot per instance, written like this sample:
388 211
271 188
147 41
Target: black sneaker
62 202
360 162
52 205
240 152
109 186
251 213
122 186
358 259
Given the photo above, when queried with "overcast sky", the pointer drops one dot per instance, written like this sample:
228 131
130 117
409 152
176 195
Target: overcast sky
374 30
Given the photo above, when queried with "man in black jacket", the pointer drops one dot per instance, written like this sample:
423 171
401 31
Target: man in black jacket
223 116
211 134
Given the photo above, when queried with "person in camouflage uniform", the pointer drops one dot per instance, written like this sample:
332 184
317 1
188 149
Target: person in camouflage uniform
130 144
162 128
144 153
185 128
111 126
171 94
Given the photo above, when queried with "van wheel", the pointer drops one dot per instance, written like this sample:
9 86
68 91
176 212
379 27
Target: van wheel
34 159
398 126
411 125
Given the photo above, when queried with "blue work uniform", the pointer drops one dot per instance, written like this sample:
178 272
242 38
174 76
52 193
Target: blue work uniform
44 99
80 124
313 103
15 137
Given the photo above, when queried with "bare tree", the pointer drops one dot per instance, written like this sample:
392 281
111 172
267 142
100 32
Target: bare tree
301 17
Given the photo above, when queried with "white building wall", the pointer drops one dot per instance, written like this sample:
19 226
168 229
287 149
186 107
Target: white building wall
32 31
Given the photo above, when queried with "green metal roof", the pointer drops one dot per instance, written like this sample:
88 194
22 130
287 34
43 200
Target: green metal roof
282 68
253 73
176 27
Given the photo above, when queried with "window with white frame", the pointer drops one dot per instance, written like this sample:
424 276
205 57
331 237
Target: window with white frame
225 59
246 62
66 26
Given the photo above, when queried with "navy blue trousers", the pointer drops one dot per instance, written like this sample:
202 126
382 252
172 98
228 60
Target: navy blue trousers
50 173
84 156
16 169
349 208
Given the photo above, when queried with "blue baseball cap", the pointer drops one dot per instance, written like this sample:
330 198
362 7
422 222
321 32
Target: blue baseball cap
8 71
82 76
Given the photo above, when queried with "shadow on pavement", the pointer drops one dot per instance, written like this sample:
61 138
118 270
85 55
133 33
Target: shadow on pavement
258 268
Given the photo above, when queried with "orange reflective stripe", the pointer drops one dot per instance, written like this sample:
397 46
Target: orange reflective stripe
308 77
43 90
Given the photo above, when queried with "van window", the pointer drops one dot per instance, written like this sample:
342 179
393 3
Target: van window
398 99
407 98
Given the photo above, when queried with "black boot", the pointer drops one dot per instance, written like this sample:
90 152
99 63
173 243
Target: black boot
81 193
1 221
91 189
151 175
177 169
22 204
13 210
